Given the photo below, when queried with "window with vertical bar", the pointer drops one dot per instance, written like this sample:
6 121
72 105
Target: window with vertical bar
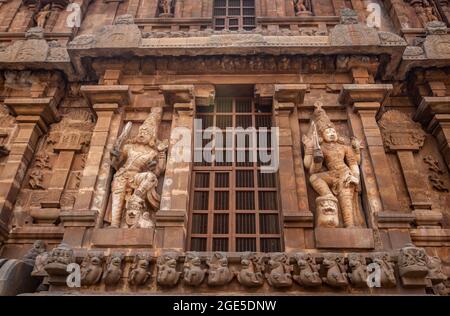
235 206
234 15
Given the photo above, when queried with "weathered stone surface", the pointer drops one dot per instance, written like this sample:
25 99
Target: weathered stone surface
341 238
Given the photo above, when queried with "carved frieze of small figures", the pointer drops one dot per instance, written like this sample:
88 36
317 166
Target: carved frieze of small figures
219 273
336 268
358 275
252 269
113 271
139 270
309 270
92 268
167 269
279 271
387 268
193 273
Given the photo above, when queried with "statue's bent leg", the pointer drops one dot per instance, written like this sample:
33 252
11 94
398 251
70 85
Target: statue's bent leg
346 201
118 200
320 184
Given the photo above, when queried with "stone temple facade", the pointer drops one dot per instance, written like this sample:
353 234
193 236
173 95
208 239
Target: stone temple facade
225 146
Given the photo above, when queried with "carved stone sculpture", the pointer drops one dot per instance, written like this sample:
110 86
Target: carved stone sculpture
166 8
113 271
219 273
193 273
92 268
386 265
58 259
336 270
309 270
42 15
280 271
435 273
167 269
339 183
142 160
302 7
36 250
139 273
413 265
252 269
358 275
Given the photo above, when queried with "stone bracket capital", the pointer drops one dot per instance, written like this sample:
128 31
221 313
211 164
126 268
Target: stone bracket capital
284 96
298 219
181 97
365 93
41 111
106 94
431 106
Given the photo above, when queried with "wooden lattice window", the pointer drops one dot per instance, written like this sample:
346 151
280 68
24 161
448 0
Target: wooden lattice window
234 15
234 206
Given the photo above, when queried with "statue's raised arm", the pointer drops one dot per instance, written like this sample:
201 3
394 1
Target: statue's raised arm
115 152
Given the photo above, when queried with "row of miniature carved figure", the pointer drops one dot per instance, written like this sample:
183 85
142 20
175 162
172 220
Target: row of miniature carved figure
279 269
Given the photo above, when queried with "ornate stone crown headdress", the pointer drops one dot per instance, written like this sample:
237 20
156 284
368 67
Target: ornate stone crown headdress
151 123
321 118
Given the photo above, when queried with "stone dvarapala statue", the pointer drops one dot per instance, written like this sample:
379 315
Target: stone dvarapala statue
333 166
139 162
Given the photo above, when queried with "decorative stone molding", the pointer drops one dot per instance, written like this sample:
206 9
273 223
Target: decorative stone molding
198 271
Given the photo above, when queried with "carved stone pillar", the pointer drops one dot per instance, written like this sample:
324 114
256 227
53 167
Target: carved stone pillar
366 100
34 115
92 198
171 219
292 184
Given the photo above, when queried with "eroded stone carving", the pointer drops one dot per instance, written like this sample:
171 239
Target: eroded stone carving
167 269
58 259
399 131
358 275
386 264
39 255
113 271
336 270
279 271
339 184
92 268
42 15
166 8
436 178
193 273
252 269
436 28
309 270
302 7
138 161
424 10
412 264
139 274
219 273
348 16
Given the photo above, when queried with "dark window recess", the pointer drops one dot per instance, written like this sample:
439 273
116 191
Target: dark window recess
235 205
234 15
245 244
198 244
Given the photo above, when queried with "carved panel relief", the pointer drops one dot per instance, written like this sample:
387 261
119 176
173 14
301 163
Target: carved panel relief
71 134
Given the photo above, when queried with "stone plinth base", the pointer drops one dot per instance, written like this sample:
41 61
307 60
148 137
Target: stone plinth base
344 238
122 237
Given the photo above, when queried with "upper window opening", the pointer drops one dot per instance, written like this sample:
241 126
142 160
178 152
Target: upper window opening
234 15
